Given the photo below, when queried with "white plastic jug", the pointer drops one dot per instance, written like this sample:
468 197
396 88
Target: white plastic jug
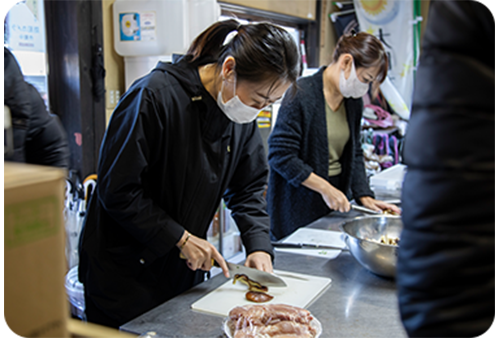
160 27
150 27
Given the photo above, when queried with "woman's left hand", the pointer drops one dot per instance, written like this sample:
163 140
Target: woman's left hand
377 205
259 260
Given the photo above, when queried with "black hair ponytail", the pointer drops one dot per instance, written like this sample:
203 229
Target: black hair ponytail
262 51
208 45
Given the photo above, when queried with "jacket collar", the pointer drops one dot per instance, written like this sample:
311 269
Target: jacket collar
214 123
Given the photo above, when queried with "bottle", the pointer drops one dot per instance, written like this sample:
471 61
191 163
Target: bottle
150 27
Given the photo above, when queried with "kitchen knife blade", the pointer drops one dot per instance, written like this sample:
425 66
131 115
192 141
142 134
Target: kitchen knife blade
264 278
307 246
365 210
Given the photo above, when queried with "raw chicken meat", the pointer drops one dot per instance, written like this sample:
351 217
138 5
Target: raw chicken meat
271 321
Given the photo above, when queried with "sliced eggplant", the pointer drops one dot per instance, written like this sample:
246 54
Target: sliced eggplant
252 285
258 297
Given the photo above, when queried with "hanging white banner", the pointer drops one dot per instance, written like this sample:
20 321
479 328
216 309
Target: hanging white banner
392 22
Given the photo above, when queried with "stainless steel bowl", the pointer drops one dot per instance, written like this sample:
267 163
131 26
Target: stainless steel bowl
376 257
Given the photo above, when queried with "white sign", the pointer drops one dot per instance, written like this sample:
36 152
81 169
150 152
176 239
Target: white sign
26 27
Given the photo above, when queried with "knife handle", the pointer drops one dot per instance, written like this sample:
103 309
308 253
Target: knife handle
286 245
214 262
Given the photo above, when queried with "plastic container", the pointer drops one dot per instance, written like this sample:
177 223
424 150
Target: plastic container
74 292
148 31
228 327
160 27
388 183
150 27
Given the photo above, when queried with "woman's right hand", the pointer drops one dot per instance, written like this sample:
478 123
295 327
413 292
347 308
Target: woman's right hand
199 254
335 199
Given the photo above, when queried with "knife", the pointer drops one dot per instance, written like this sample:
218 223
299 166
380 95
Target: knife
365 210
307 246
262 277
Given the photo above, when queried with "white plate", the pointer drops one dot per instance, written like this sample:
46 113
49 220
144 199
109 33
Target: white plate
314 323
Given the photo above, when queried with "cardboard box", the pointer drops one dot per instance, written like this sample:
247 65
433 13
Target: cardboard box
35 302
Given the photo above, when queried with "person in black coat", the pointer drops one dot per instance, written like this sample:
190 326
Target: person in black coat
180 139
446 257
38 137
315 156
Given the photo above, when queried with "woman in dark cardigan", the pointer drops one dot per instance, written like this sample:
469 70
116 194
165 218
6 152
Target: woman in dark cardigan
315 157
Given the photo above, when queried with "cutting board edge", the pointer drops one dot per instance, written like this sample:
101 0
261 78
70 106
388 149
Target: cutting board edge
326 287
208 312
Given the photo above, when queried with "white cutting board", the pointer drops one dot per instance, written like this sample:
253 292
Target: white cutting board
301 291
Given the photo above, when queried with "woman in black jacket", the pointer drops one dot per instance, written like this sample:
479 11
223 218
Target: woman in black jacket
180 139
315 154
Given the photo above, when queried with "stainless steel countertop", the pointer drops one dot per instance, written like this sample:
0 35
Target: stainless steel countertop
357 304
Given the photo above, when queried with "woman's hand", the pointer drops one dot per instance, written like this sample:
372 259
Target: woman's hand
377 205
260 260
333 197
199 253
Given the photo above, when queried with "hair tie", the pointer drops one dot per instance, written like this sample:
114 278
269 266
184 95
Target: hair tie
229 37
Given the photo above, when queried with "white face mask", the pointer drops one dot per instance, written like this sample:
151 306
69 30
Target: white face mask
236 110
352 87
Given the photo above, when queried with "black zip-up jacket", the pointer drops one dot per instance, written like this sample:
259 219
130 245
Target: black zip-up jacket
168 157
446 256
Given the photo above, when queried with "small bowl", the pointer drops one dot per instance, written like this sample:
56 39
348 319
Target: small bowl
363 236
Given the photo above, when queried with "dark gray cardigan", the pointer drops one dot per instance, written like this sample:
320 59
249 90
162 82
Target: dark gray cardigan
298 146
